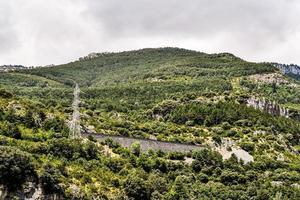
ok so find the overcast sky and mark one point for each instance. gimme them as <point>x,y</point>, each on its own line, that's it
<point>41,32</point>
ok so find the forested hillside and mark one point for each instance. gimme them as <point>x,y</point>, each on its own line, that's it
<point>226,107</point>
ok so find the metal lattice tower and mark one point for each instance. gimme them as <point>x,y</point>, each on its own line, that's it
<point>74,124</point>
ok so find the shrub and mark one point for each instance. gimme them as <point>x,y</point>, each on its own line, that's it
<point>15,166</point>
<point>232,178</point>
<point>208,157</point>
<point>247,146</point>
<point>176,155</point>
<point>135,187</point>
<point>196,165</point>
<point>50,180</point>
<point>5,94</point>
<point>231,133</point>
<point>226,126</point>
<point>136,148</point>
<point>73,149</point>
<point>56,124</point>
<point>203,178</point>
<point>115,164</point>
<point>217,139</point>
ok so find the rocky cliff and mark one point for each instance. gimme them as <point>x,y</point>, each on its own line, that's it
<point>31,189</point>
<point>292,69</point>
<point>270,107</point>
<point>28,191</point>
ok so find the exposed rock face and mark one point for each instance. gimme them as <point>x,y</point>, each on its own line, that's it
<point>6,68</point>
<point>270,107</point>
<point>28,191</point>
<point>240,153</point>
<point>269,78</point>
<point>291,69</point>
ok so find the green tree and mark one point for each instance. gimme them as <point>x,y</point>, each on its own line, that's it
<point>136,188</point>
<point>136,148</point>
<point>15,167</point>
<point>180,190</point>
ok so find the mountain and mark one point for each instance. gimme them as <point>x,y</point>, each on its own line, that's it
<point>165,123</point>
<point>147,64</point>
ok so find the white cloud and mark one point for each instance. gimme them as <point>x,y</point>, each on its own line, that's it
<point>38,32</point>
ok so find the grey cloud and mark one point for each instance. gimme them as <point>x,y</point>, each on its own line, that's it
<point>196,18</point>
<point>58,31</point>
<point>8,36</point>
<point>247,27</point>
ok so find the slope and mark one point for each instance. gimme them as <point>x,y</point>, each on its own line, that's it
<point>167,94</point>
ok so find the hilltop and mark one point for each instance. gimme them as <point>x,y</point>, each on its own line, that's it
<point>149,64</point>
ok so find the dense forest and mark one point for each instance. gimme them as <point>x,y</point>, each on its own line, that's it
<point>166,94</point>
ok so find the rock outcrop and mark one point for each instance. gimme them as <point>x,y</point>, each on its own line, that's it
<point>270,107</point>
<point>7,68</point>
<point>28,191</point>
<point>292,69</point>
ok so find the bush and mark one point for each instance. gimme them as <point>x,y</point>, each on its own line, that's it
<point>196,165</point>
<point>10,130</point>
<point>136,148</point>
<point>231,133</point>
<point>55,124</point>
<point>15,166</point>
<point>73,149</point>
<point>226,126</point>
<point>180,188</point>
<point>5,94</point>
<point>203,178</point>
<point>217,139</point>
<point>115,164</point>
<point>208,158</point>
<point>176,155</point>
<point>247,146</point>
<point>243,122</point>
<point>232,178</point>
<point>135,187</point>
<point>50,180</point>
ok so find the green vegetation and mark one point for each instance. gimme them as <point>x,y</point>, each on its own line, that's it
<point>168,94</point>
